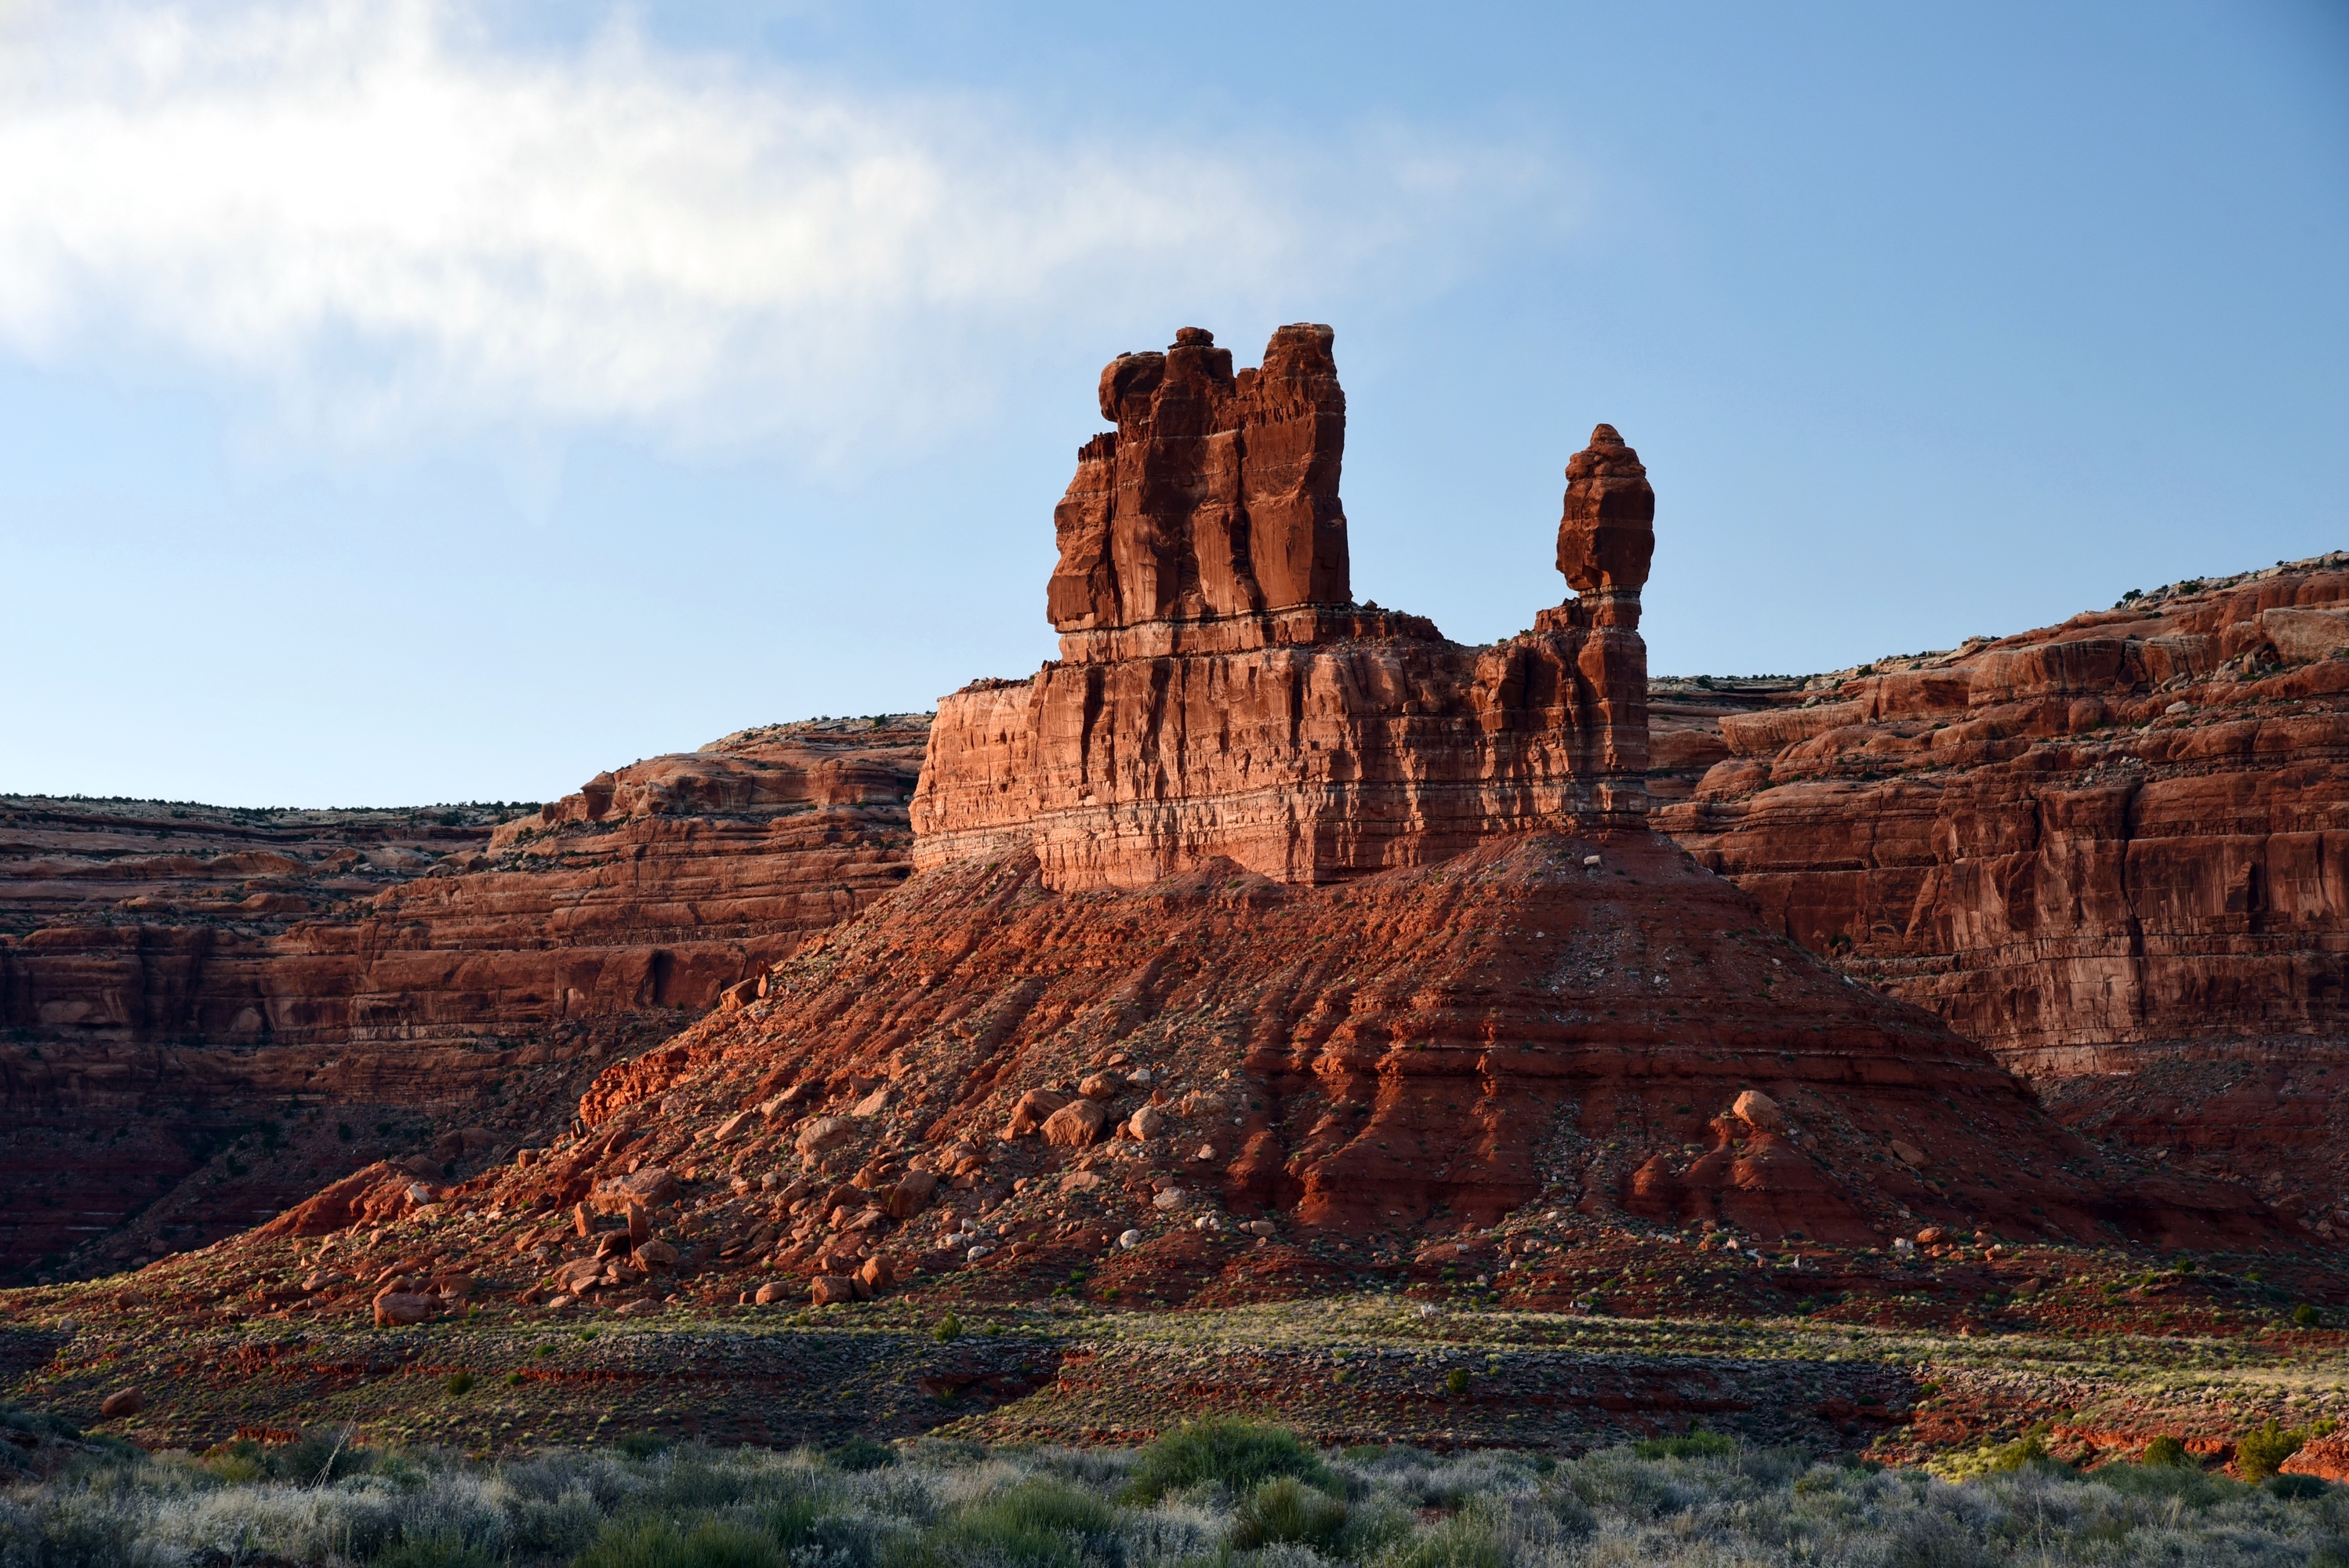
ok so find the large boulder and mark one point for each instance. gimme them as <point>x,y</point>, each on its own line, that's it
<point>822,1135</point>
<point>398,1308</point>
<point>1035,1108</point>
<point>912,1190</point>
<point>1076,1124</point>
<point>646,1188</point>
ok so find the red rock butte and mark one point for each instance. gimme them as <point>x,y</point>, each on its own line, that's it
<point>1258,908</point>
<point>1219,691</point>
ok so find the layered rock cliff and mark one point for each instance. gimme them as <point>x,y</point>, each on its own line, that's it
<point>1215,698</point>
<point>2115,851</point>
<point>329,987</point>
<point>1263,913</point>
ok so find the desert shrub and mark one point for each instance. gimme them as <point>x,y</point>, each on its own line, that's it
<point>318,1457</point>
<point>662,1543</point>
<point>1614,1480</point>
<point>2165,1450</point>
<point>1445,1481</point>
<point>2180,1480</point>
<point>1237,1454</point>
<point>862,1453</point>
<point>1285,1510</point>
<point>958,1505</point>
<point>65,1532</point>
<point>1464,1541</point>
<point>435,1552</point>
<point>1697,1444</point>
<point>1038,1524</point>
<point>2259,1452</point>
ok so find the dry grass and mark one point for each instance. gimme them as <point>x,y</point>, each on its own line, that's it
<point>931,1505</point>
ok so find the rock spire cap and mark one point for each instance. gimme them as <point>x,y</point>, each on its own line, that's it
<point>1606,536</point>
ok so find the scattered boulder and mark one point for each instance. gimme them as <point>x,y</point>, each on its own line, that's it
<point>1035,1108</point>
<point>825,1289</point>
<point>823,1134</point>
<point>1759,1111</point>
<point>656,1255</point>
<point>911,1194</point>
<point>1931,1236</point>
<point>732,1125</point>
<point>1146,1123</point>
<point>876,1274</point>
<point>399,1308</point>
<point>873,1104</point>
<point>741,993</point>
<point>1076,1124</point>
<point>648,1188</point>
<point>1098,1086</point>
<point>773,1290</point>
<point>1908,1153</point>
<point>123,1402</point>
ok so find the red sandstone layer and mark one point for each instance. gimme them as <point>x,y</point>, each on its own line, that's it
<point>1206,707</point>
<point>608,916</point>
<point>2097,848</point>
<point>1304,764</point>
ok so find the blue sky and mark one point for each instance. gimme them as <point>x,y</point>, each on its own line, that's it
<point>406,403</point>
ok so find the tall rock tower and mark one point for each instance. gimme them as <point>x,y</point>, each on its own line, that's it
<point>1220,695</point>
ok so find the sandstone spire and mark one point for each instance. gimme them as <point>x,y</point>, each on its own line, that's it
<point>1608,535</point>
<point>1215,496</point>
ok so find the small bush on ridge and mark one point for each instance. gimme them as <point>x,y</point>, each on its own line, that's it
<point>1239,1454</point>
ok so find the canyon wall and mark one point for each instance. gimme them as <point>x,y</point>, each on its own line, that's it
<point>1215,698</point>
<point>287,992</point>
<point>2115,851</point>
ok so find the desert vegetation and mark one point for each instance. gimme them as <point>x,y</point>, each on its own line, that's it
<point>1218,1493</point>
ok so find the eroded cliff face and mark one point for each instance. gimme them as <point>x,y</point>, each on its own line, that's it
<point>1217,495</point>
<point>1211,702</point>
<point>378,981</point>
<point>2115,851</point>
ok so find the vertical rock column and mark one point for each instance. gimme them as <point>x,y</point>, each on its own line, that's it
<point>1606,540</point>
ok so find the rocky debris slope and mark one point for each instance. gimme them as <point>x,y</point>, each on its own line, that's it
<point>983,1077</point>
<point>145,1041</point>
<point>1294,732</point>
<point>2105,849</point>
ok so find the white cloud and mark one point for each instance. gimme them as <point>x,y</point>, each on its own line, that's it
<point>394,225</point>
